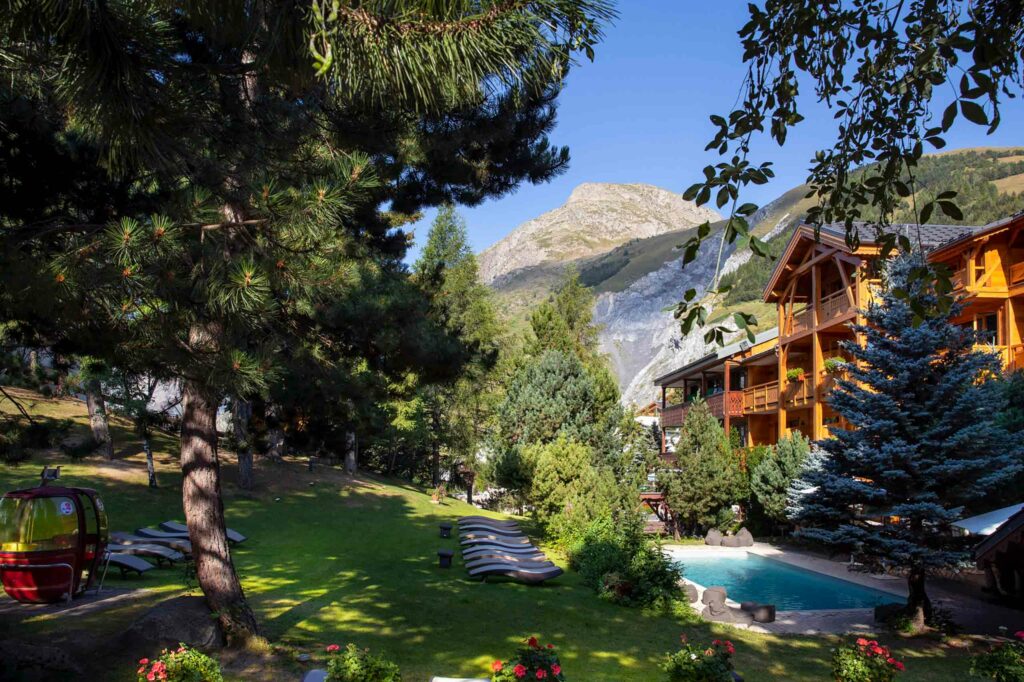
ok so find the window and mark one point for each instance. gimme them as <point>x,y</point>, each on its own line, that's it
<point>38,524</point>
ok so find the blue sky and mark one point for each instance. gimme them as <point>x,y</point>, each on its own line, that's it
<point>639,113</point>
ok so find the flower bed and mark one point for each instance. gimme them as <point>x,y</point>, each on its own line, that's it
<point>531,661</point>
<point>865,661</point>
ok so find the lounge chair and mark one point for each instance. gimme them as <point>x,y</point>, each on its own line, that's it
<point>469,538</point>
<point>182,545</point>
<point>486,520</point>
<point>503,555</point>
<point>158,552</point>
<point>127,562</point>
<point>519,550</point>
<point>175,527</point>
<point>526,575</point>
<point>162,534</point>
<point>487,561</point>
<point>484,528</point>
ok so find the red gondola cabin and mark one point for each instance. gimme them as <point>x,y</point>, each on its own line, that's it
<point>52,541</point>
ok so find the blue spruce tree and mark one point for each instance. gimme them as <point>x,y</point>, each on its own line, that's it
<point>926,444</point>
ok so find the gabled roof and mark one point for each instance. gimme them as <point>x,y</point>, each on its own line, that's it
<point>712,359</point>
<point>1004,533</point>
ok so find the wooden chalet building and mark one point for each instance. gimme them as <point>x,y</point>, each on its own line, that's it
<point>779,383</point>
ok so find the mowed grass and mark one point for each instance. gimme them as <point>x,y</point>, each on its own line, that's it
<point>331,559</point>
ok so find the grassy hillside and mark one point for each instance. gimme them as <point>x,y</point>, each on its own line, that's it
<point>332,559</point>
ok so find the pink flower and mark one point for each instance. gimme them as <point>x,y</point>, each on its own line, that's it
<point>899,666</point>
<point>862,642</point>
<point>556,669</point>
<point>716,642</point>
<point>143,661</point>
<point>496,666</point>
<point>332,648</point>
<point>519,670</point>
<point>532,642</point>
<point>1019,635</point>
<point>151,676</point>
<point>541,674</point>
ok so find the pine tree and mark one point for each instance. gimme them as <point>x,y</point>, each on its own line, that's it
<point>925,446</point>
<point>771,478</point>
<point>706,477</point>
<point>260,176</point>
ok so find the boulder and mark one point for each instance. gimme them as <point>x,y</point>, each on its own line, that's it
<point>748,606</point>
<point>689,590</point>
<point>744,538</point>
<point>29,662</point>
<point>716,610</point>
<point>187,620</point>
<point>730,541</point>
<point>713,538</point>
<point>764,613</point>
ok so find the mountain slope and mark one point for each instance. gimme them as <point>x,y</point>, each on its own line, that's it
<point>639,280</point>
<point>596,218</point>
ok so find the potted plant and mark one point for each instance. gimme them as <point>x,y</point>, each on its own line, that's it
<point>835,365</point>
<point>439,494</point>
<point>531,661</point>
<point>795,374</point>
<point>865,661</point>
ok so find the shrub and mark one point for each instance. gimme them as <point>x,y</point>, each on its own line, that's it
<point>700,664</point>
<point>531,661</point>
<point>359,665</point>
<point>185,664</point>
<point>864,661</point>
<point>11,450</point>
<point>79,448</point>
<point>1002,663</point>
<point>835,365</point>
<point>623,565</point>
<point>795,374</point>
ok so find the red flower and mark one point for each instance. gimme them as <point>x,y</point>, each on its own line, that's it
<point>878,650</point>
<point>496,666</point>
<point>143,661</point>
<point>151,677</point>
<point>551,646</point>
<point>862,642</point>
<point>532,642</point>
<point>519,670</point>
<point>716,642</point>
<point>541,674</point>
<point>1019,635</point>
<point>556,669</point>
<point>730,648</point>
<point>899,666</point>
<point>332,648</point>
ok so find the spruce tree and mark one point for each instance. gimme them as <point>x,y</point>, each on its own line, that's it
<point>262,177</point>
<point>925,448</point>
<point>706,477</point>
<point>771,478</point>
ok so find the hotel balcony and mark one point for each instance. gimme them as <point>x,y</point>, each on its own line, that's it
<point>673,415</point>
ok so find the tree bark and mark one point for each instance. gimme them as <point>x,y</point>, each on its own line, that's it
<point>150,468</point>
<point>98,417</point>
<point>241,411</point>
<point>919,606</point>
<point>204,514</point>
<point>351,454</point>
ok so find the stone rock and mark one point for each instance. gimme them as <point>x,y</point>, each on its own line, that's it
<point>715,608</point>
<point>730,541</point>
<point>28,662</point>
<point>713,538</point>
<point>764,613</point>
<point>745,538</point>
<point>748,606</point>
<point>689,590</point>
<point>182,619</point>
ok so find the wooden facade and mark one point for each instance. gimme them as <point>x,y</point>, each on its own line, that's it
<point>780,384</point>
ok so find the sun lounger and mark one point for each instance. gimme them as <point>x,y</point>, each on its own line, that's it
<point>126,562</point>
<point>487,521</point>
<point>486,561</point>
<point>513,527</point>
<point>162,534</point>
<point>523,553</point>
<point>175,527</point>
<point>511,532</point>
<point>535,555</point>
<point>182,545</point>
<point>158,552</point>
<point>471,538</point>
<point>526,575</point>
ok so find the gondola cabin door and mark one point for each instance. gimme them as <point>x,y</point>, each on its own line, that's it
<point>52,541</point>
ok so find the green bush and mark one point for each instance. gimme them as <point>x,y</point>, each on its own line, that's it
<point>79,448</point>
<point>623,565</point>
<point>864,661</point>
<point>531,661</point>
<point>696,664</point>
<point>359,665</point>
<point>185,664</point>
<point>11,450</point>
<point>1002,663</point>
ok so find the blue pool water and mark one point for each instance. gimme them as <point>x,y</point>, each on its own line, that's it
<point>748,577</point>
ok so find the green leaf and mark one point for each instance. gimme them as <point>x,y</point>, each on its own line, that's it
<point>973,112</point>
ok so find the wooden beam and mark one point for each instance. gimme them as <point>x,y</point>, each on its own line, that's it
<point>807,265</point>
<point>846,281</point>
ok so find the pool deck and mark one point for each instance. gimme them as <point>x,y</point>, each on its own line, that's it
<point>974,614</point>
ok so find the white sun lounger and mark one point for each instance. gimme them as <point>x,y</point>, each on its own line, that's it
<point>181,544</point>
<point>175,527</point>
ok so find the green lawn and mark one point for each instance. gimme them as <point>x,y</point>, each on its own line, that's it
<point>332,560</point>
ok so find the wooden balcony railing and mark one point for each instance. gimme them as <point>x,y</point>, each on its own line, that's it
<point>1017,273</point>
<point>798,393</point>
<point>834,305</point>
<point>800,321</point>
<point>673,415</point>
<point>1017,356</point>
<point>959,279</point>
<point>717,404</point>
<point>761,398</point>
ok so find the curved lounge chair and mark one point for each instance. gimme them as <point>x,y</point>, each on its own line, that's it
<point>526,575</point>
<point>486,520</point>
<point>126,562</point>
<point>503,555</point>
<point>470,550</point>
<point>175,527</point>
<point>162,534</point>
<point>482,528</point>
<point>158,552</point>
<point>496,540</point>
<point>487,561</point>
<point>181,544</point>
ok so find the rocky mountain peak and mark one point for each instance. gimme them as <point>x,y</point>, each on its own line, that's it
<point>596,218</point>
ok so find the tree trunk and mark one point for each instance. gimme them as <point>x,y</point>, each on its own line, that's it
<point>204,514</point>
<point>98,417</point>
<point>351,454</point>
<point>919,606</point>
<point>469,489</point>
<point>241,411</point>
<point>150,468</point>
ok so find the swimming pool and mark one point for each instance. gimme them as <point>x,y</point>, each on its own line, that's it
<point>749,577</point>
